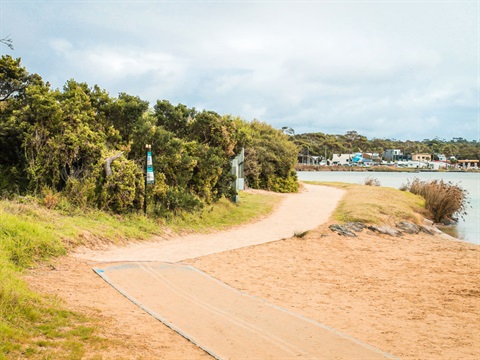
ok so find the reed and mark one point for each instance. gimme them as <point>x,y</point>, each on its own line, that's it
<point>445,200</point>
<point>371,181</point>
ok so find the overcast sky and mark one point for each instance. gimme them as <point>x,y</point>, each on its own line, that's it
<point>387,69</point>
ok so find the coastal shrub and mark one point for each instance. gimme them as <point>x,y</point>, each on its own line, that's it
<point>371,181</point>
<point>444,200</point>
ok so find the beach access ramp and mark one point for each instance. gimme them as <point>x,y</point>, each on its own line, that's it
<point>225,322</point>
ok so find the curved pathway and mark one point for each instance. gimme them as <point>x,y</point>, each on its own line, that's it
<point>296,213</point>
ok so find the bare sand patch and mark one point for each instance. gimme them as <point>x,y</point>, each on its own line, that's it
<point>415,297</point>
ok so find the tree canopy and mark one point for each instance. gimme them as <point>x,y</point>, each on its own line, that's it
<point>60,140</point>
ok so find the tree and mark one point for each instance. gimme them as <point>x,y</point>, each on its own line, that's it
<point>14,78</point>
<point>125,113</point>
<point>174,118</point>
<point>217,131</point>
<point>270,157</point>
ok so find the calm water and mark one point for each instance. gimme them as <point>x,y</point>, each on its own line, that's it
<point>468,229</point>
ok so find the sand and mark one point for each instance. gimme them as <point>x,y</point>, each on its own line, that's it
<point>413,297</point>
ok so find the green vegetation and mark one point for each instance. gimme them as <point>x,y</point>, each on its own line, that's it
<point>226,214</point>
<point>90,148</point>
<point>320,144</point>
<point>72,172</point>
<point>367,204</point>
<point>32,326</point>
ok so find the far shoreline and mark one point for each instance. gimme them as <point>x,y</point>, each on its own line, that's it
<point>379,168</point>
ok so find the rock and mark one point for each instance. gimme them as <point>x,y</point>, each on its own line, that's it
<point>355,226</point>
<point>386,230</point>
<point>425,230</point>
<point>342,230</point>
<point>408,227</point>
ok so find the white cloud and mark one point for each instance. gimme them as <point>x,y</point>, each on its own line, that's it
<point>379,66</point>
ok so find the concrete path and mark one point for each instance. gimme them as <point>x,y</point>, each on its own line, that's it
<point>297,213</point>
<point>226,323</point>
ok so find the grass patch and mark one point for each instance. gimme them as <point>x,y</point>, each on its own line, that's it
<point>377,204</point>
<point>225,214</point>
<point>38,327</point>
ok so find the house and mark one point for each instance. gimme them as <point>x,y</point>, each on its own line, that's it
<point>413,164</point>
<point>437,165</point>
<point>370,158</point>
<point>468,164</point>
<point>395,155</point>
<point>421,157</point>
<point>441,157</point>
<point>341,159</point>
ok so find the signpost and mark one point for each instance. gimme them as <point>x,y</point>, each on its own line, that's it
<point>149,178</point>
<point>238,167</point>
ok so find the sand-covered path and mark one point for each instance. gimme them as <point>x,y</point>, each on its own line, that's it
<point>297,213</point>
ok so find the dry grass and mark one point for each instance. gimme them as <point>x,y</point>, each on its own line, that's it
<point>378,205</point>
<point>443,199</point>
<point>371,181</point>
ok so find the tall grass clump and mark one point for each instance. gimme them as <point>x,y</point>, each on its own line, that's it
<point>444,200</point>
<point>371,181</point>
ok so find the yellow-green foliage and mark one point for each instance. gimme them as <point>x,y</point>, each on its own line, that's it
<point>377,204</point>
<point>24,315</point>
<point>225,213</point>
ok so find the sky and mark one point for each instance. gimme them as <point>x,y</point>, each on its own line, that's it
<point>405,70</point>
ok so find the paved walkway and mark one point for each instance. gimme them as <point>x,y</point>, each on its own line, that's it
<point>225,322</point>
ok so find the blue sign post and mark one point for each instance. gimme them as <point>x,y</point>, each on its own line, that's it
<point>149,178</point>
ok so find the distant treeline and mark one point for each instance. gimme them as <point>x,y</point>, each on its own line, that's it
<point>320,144</point>
<point>62,141</point>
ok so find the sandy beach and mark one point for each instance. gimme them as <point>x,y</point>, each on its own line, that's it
<point>414,297</point>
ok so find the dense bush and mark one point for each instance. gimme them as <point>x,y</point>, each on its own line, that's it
<point>55,143</point>
<point>269,156</point>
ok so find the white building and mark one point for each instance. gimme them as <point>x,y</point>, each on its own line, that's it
<point>341,159</point>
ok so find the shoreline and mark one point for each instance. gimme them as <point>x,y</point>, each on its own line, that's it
<point>380,168</point>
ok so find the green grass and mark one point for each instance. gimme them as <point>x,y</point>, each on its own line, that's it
<point>377,204</point>
<point>39,327</point>
<point>225,214</point>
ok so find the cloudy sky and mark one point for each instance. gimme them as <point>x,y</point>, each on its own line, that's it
<point>387,69</point>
